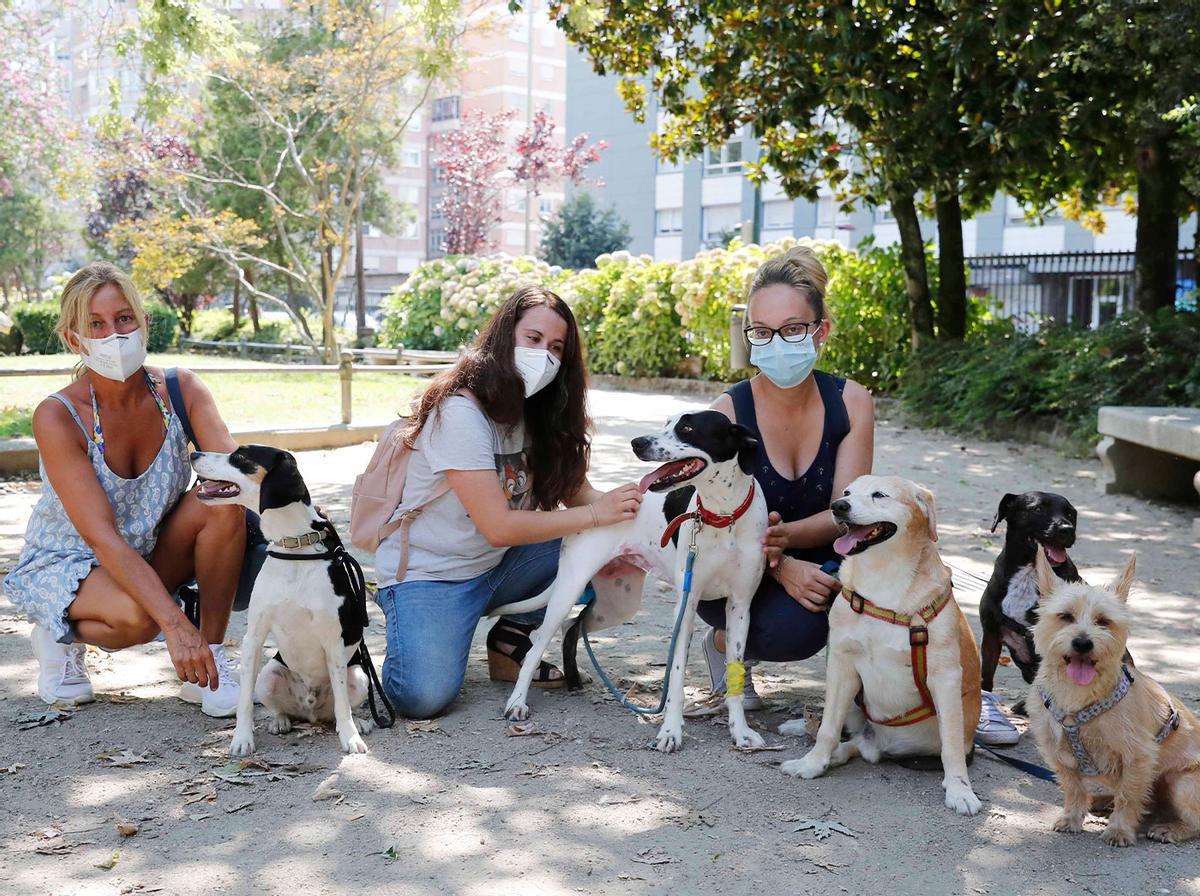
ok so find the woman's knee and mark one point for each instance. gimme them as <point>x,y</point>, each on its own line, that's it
<point>419,696</point>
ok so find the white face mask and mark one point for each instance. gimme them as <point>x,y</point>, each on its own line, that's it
<point>115,357</point>
<point>537,368</point>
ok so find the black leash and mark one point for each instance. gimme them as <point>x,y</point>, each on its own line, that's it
<point>1029,768</point>
<point>338,554</point>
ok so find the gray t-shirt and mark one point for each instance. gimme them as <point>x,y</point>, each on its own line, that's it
<point>444,544</point>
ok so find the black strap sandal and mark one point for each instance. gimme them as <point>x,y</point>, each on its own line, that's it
<point>506,666</point>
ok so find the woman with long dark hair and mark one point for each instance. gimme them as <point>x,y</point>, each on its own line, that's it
<point>507,431</point>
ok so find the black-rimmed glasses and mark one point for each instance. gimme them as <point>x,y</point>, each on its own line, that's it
<point>793,332</point>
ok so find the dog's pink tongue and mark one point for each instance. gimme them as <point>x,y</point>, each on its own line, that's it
<point>845,543</point>
<point>1055,554</point>
<point>1081,672</point>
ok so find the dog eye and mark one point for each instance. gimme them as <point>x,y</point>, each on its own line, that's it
<point>878,495</point>
<point>685,429</point>
<point>1066,617</point>
<point>1103,621</point>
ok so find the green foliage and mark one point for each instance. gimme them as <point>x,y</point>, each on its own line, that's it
<point>37,321</point>
<point>163,324</point>
<point>581,232</point>
<point>216,325</point>
<point>1061,374</point>
<point>15,422</point>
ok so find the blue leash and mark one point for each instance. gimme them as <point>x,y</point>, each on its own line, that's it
<point>683,603</point>
<point>1029,768</point>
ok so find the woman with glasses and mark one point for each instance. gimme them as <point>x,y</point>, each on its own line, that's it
<point>815,435</point>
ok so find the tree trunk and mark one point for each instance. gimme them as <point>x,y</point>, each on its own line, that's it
<point>1157,224</point>
<point>916,277</point>
<point>952,274</point>
<point>252,303</point>
<point>328,298</point>
<point>237,303</point>
<point>360,286</point>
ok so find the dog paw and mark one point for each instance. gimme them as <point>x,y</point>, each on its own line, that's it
<point>279,724</point>
<point>1068,823</point>
<point>670,740</point>
<point>794,728</point>
<point>1115,835</point>
<point>364,726</point>
<point>242,745</point>
<point>1168,833</point>
<point>748,738</point>
<point>516,712</point>
<point>963,800</point>
<point>354,744</point>
<point>808,767</point>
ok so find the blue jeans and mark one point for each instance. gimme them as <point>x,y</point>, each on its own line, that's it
<point>780,629</point>
<point>430,625</point>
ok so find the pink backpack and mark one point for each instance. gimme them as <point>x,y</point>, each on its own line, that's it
<point>379,490</point>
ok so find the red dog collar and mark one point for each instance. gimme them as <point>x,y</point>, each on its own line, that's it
<point>707,517</point>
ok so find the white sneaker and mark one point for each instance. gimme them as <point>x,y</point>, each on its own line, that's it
<point>63,677</point>
<point>716,672</point>
<point>994,728</point>
<point>221,703</point>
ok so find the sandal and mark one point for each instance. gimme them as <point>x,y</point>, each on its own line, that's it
<point>507,666</point>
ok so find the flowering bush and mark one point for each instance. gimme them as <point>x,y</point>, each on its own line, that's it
<point>445,302</point>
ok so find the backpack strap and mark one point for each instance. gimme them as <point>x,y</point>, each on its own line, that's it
<point>176,395</point>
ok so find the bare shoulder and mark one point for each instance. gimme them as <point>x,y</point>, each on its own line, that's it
<point>52,422</point>
<point>858,399</point>
<point>724,404</point>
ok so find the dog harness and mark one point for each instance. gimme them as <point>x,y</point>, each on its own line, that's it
<point>1080,718</point>
<point>706,517</point>
<point>918,641</point>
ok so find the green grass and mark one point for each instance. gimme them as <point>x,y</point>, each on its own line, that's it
<point>260,401</point>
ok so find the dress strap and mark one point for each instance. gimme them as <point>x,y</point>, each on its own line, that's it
<point>97,433</point>
<point>742,396</point>
<point>74,414</point>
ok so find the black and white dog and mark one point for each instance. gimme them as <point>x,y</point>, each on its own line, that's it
<point>308,605</point>
<point>1008,608</point>
<point>714,456</point>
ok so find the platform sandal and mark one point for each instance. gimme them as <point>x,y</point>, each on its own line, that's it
<point>507,666</point>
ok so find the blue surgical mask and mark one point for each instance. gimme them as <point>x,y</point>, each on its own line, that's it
<point>786,364</point>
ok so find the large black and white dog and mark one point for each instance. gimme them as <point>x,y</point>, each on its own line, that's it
<point>715,457</point>
<point>1008,608</point>
<point>308,605</point>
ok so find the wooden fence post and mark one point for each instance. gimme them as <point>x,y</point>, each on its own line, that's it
<point>346,372</point>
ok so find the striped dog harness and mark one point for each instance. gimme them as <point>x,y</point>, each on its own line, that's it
<point>1072,722</point>
<point>918,642</point>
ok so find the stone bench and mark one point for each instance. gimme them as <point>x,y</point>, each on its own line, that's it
<point>1154,452</point>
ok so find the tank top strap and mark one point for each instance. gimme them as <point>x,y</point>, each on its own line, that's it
<point>837,418</point>
<point>744,414</point>
<point>74,414</point>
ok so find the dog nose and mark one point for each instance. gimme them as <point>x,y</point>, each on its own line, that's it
<point>194,456</point>
<point>640,443</point>
<point>840,507</point>
<point>1082,644</point>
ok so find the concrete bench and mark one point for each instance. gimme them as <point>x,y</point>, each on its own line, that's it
<point>1154,452</point>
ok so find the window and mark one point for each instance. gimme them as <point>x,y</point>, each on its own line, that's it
<point>446,108</point>
<point>777,215</point>
<point>409,229</point>
<point>439,175</point>
<point>668,221</point>
<point>883,215</point>
<point>545,206</point>
<point>719,223</point>
<point>518,64</point>
<point>725,159</point>
<point>410,158</point>
<point>826,211</point>
<point>414,123</point>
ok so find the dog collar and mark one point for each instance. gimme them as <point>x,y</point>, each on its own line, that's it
<point>301,541</point>
<point>1072,722</point>
<point>705,517</point>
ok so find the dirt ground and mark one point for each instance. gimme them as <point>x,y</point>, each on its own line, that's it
<point>581,805</point>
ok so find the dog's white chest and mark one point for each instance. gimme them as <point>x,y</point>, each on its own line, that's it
<point>1022,594</point>
<point>297,600</point>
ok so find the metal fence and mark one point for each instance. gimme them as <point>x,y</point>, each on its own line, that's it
<point>1090,288</point>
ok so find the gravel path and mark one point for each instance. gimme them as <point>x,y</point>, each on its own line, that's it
<point>579,805</point>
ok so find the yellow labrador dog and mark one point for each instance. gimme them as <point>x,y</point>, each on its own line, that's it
<point>903,673</point>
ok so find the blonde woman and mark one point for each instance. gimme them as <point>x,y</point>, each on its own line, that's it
<point>115,531</point>
<point>815,435</point>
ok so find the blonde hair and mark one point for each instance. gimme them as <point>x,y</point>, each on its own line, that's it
<point>798,268</point>
<point>74,313</point>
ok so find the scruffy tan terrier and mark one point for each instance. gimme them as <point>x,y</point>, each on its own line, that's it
<point>1106,729</point>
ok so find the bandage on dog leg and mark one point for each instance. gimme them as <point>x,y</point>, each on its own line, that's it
<point>735,679</point>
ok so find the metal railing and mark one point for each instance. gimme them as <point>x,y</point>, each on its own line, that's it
<point>303,352</point>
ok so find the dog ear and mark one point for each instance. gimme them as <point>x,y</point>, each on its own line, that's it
<point>1124,580</point>
<point>1046,579</point>
<point>747,448</point>
<point>283,484</point>
<point>924,498</point>
<point>1002,511</point>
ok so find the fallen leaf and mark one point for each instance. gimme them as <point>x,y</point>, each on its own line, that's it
<point>12,769</point>
<point>515,729</point>
<point>654,855</point>
<point>52,832</point>
<point>51,716</point>
<point>390,854</point>
<point>197,791</point>
<point>122,697</point>
<point>823,830</point>
<point>199,816</point>
<point>126,828</point>
<point>327,789</point>
<point>108,863</point>
<point>61,848</point>
<point>423,726</point>
<point>765,748</point>
<point>533,770</point>
<point>124,759</point>
<point>239,807</point>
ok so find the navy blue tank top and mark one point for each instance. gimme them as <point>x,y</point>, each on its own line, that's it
<point>797,499</point>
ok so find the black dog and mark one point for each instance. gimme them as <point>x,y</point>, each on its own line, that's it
<point>1009,605</point>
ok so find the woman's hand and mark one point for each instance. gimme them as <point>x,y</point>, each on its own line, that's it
<point>806,584</point>
<point>192,657</point>
<point>617,506</point>
<point>775,542</point>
